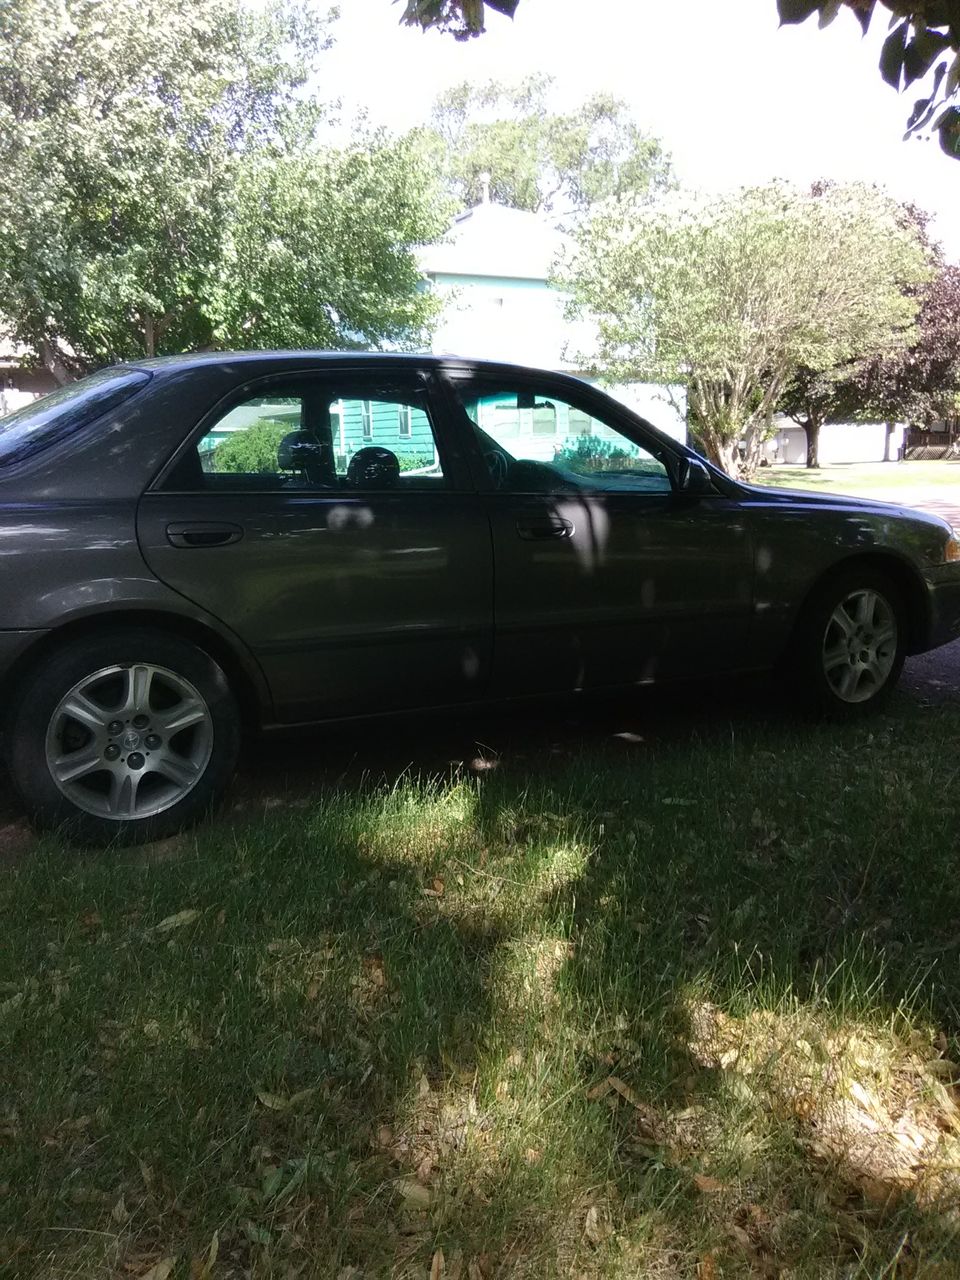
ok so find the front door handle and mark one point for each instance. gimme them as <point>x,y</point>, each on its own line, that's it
<point>203,535</point>
<point>548,528</point>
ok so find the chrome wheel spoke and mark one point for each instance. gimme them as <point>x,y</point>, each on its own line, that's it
<point>184,715</point>
<point>124,786</point>
<point>865,609</point>
<point>175,768</point>
<point>139,679</point>
<point>848,682</point>
<point>77,706</point>
<point>842,619</point>
<point>76,764</point>
<point>835,657</point>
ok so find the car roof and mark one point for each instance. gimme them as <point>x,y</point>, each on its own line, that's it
<point>417,359</point>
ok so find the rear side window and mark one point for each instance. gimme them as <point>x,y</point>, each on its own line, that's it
<point>54,417</point>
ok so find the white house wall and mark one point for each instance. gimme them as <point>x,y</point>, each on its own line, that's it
<point>839,443</point>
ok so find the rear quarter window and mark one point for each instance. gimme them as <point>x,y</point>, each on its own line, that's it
<point>54,417</point>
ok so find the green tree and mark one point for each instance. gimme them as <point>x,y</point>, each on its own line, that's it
<point>918,382</point>
<point>534,157</point>
<point>134,139</point>
<point>730,297</point>
<point>316,249</point>
<point>924,39</point>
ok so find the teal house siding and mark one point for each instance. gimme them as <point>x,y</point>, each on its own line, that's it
<point>388,424</point>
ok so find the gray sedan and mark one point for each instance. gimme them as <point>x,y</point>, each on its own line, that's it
<point>202,545</point>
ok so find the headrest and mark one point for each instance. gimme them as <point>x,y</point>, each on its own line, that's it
<point>373,468</point>
<point>299,451</point>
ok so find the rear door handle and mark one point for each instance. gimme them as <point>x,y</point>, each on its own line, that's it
<point>548,528</point>
<point>203,535</point>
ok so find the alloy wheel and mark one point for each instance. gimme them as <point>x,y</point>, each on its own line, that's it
<point>860,645</point>
<point>129,742</point>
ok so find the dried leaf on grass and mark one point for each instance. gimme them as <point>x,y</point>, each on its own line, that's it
<point>279,1102</point>
<point>415,1195</point>
<point>437,1265</point>
<point>204,1270</point>
<point>160,1270</point>
<point>704,1182</point>
<point>613,1084</point>
<point>176,921</point>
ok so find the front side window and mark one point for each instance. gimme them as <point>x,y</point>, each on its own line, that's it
<point>534,441</point>
<point>317,434</point>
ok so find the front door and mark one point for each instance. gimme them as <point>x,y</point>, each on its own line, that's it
<point>323,519</point>
<point>605,575</point>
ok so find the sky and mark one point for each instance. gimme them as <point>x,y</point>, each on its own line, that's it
<point>735,98</point>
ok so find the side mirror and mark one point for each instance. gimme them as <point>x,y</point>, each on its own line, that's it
<point>693,478</point>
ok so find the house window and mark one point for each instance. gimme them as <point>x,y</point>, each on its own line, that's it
<point>404,427</point>
<point>366,419</point>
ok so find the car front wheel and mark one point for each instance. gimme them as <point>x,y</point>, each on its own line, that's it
<point>851,643</point>
<point>126,736</point>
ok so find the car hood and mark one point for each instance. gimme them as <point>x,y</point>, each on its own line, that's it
<point>837,501</point>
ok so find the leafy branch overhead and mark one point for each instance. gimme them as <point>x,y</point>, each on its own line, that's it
<point>924,41</point>
<point>463,18</point>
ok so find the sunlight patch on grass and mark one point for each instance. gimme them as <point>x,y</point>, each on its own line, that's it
<point>415,823</point>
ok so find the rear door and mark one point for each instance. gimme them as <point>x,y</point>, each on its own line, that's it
<point>605,575</point>
<point>326,522</point>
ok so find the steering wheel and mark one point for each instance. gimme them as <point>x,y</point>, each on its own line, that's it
<point>498,467</point>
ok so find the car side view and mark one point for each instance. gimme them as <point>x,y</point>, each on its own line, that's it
<point>201,545</point>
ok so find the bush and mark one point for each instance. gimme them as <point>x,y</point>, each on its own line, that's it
<point>588,454</point>
<point>252,451</point>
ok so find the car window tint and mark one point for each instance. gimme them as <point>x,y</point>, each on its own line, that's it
<point>55,416</point>
<point>322,433</point>
<point>541,443</point>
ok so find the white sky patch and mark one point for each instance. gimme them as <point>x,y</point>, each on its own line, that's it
<point>735,98</point>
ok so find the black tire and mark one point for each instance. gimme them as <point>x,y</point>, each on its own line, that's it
<point>38,723</point>
<point>818,638</point>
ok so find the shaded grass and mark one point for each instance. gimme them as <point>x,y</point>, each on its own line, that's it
<point>492,1016</point>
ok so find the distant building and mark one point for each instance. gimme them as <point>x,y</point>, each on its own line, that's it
<point>493,273</point>
<point>20,382</point>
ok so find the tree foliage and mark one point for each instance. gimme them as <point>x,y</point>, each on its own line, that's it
<point>918,382</point>
<point>135,141</point>
<point>463,18</point>
<point>923,44</point>
<point>730,297</point>
<point>535,157</point>
<point>924,40</point>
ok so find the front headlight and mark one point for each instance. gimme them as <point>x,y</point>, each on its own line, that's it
<point>951,552</point>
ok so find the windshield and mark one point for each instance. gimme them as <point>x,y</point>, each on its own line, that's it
<point>61,413</point>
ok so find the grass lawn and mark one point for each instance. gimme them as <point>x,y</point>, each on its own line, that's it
<point>676,1007</point>
<point>942,479</point>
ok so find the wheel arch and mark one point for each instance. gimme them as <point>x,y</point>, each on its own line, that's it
<point>901,573</point>
<point>245,678</point>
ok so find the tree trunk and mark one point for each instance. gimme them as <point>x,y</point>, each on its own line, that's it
<point>53,362</point>
<point>149,341</point>
<point>888,436</point>
<point>811,429</point>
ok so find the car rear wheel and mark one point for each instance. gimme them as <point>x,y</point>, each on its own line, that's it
<point>125,736</point>
<point>851,643</point>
